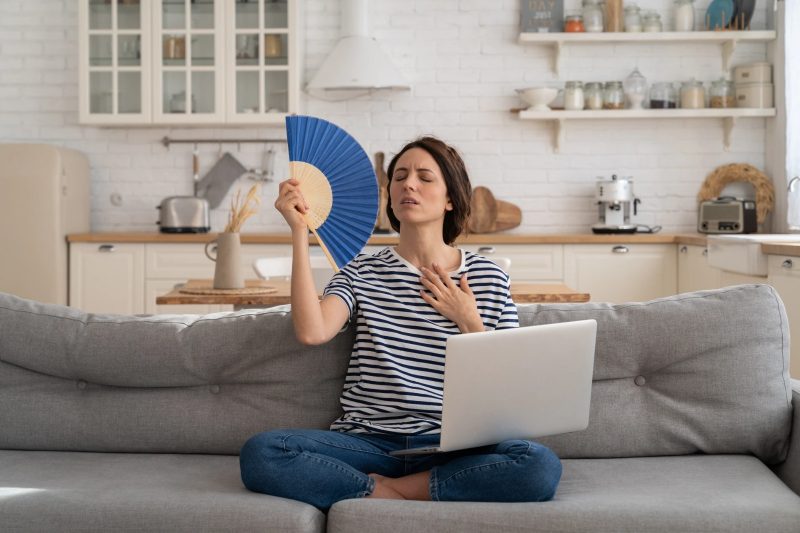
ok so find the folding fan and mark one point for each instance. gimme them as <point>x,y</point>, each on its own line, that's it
<point>338,183</point>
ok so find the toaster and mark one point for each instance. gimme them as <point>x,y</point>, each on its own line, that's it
<point>727,215</point>
<point>183,214</point>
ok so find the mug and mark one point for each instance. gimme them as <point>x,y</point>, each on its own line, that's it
<point>228,268</point>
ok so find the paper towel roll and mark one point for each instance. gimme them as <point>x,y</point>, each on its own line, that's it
<point>793,211</point>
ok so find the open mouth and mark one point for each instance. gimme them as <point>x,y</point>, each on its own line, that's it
<point>408,201</point>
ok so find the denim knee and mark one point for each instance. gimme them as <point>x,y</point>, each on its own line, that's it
<point>542,470</point>
<point>257,457</point>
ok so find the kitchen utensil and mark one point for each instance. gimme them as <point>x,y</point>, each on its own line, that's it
<point>538,97</point>
<point>719,14</point>
<point>216,183</point>
<point>383,225</point>
<point>615,199</point>
<point>183,214</point>
<point>488,215</point>
<point>195,168</point>
<point>338,183</point>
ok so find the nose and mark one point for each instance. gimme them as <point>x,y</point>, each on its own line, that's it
<point>410,183</point>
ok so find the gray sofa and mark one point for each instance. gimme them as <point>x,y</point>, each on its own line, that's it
<point>114,423</point>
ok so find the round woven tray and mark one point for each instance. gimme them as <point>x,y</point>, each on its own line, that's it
<point>245,290</point>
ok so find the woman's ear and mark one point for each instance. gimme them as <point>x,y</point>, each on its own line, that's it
<point>449,205</point>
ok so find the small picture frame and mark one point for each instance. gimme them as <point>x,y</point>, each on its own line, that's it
<point>542,16</point>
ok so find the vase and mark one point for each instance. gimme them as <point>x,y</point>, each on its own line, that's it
<point>228,268</point>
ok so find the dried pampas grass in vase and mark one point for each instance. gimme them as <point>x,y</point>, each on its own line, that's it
<point>241,212</point>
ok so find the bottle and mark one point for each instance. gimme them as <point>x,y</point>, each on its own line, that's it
<point>573,96</point>
<point>722,93</point>
<point>593,95</point>
<point>613,95</point>
<point>693,95</point>
<point>614,15</point>
<point>684,15</point>
<point>633,20</point>
<point>574,24</point>
<point>651,22</point>
<point>593,16</point>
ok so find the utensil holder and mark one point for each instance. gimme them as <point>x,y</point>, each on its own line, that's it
<point>228,268</point>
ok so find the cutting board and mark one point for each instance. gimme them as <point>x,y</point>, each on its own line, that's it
<point>489,214</point>
<point>382,224</point>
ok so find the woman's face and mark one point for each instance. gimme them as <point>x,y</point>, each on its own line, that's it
<point>418,190</point>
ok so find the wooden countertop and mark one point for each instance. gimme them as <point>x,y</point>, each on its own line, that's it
<point>782,248</point>
<point>487,238</point>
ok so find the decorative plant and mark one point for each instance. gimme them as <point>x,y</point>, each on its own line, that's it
<point>241,212</point>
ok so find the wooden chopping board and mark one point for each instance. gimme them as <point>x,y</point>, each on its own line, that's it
<point>383,193</point>
<point>489,214</point>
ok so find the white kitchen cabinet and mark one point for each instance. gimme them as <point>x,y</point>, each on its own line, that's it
<point>621,272</point>
<point>784,275</point>
<point>532,263</point>
<point>188,62</point>
<point>107,278</point>
<point>694,274</point>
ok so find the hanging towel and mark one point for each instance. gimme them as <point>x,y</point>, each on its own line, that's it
<point>216,183</point>
<point>793,212</point>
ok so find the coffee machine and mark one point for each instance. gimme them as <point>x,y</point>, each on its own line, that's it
<point>615,201</point>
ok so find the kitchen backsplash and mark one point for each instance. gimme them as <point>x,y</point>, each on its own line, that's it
<point>464,63</point>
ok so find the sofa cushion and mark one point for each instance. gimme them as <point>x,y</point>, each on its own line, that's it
<point>696,372</point>
<point>658,494</point>
<point>69,491</point>
<point>171,383</point>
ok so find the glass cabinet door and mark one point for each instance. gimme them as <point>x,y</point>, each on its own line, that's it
<point>261,52</point>
<point>115,70</point>
<point>189,63</point>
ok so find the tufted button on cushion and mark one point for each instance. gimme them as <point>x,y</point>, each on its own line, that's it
<point>639,380</point>
<point>81,384</point>
<point>214,389</point>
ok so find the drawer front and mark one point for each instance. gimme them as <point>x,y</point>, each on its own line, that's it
<point>529,262</point>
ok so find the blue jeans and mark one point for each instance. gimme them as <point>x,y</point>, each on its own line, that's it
<point>321,467</point>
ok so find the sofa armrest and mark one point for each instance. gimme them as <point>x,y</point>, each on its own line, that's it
<point>789,470</point>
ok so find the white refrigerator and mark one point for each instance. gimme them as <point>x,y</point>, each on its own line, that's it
<point>44,195</point>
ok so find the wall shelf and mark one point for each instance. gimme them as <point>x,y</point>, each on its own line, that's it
<point>726,39</point>
<point>561,117</point>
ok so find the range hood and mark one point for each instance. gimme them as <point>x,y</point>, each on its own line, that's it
<point>357,65</point>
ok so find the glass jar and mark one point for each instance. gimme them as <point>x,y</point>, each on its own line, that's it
<point>662,96</point>
<point>613,95</point>
<point>633,20</point>
<point>693,95</point>
<point>593,16</point>
<point>573,96</point>
<point>574,24</point>
<point>651,22</point>
<point>684,15</point>
<point>635,86</point>
<point>593,95</point>
<point>722,93</point>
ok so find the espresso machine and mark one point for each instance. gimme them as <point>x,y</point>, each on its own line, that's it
<point>615,201</point>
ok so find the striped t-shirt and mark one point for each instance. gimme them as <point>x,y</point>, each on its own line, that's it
<point>395,379</point>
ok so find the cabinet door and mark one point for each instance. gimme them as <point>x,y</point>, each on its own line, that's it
<point>694,274</point>
<point>533,263</point>
<point>189,65</point>
<point>262,60</point>
<point>107,278</point>
<point>784,275</point>
<point>621,272</point>
<point>114,62</point>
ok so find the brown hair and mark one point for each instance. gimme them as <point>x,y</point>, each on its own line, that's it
<point>456,180</point>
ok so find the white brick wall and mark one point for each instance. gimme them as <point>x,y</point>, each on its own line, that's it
<point>463,61</point>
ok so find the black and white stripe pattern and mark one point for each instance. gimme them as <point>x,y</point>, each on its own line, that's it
<point>396,373</point>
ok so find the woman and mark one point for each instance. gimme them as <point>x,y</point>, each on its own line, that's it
<point>404,301</point>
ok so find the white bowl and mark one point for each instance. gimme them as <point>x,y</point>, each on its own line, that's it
<point>538,97</point>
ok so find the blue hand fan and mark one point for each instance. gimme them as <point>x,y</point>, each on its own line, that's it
<point>338,183</point>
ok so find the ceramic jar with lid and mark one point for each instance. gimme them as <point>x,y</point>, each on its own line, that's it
<point>663,96</point>
<point>635,86</point>
<point>593,95</point>
<point>722,93</point>
<point>693,95</point>
<point>613,95</point>
<point>573,96</point>
<point>633,18</point>
<point>593,16</point>
<point>574,24</point>
<point>651,22</point>
<point>683,15</point>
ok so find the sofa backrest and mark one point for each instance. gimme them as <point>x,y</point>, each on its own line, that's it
<point>698,372</point>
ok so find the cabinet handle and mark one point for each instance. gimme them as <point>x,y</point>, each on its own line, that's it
<point>486,250</point>
<point>787,263</point>
<point>705,251</point>
<point>683,249</point>
<point>106,248</point>
<point>620,250</point>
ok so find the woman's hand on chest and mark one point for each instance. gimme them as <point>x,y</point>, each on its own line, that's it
<point>455,302</point>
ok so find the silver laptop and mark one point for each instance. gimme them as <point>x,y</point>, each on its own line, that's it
<point>520,383</point>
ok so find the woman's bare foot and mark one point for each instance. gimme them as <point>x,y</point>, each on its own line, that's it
<point>382,489</point>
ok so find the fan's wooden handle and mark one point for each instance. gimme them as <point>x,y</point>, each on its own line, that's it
<point>322,245</point>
